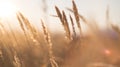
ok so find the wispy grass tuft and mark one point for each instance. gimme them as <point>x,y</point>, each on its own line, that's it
<point>33,32</point>
<point>64,21</point>
<point>66,26</point>
<point>49,43</point>
<point>73,27</point>
<point>76,15</point>
<point>59,13</point>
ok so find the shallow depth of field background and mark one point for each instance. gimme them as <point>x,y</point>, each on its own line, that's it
<point>96,44</point>
<point>91,9</point>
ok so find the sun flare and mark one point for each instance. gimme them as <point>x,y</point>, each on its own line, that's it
<point>7,9</point>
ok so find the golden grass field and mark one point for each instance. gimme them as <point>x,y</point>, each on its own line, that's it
<point>33,48</point>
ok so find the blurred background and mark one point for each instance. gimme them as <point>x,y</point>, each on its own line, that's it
<point>35,10</point>
<point>99,46</point>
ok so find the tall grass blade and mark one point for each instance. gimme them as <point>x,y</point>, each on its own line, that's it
<point>49,43</point>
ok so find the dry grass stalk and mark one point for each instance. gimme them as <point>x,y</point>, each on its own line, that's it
<point>6,46</point>
<point>75,10</point>
<point>21,23</point>
<point>16,61</point>
<point>59,14</point>
<point>29,27</point>
<point>73,27</point>
<point>76,14</point>
<point>66,26</point>
<point>49,43</point>
<point>15,41</point>
<point>4,32</point>
<point>63,19</point>
<point>23,28</point>
<point>80,16</point>
<point>14,49</point>
<point>11,51</point>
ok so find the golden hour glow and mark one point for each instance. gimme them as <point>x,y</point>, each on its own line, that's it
<point>7,9</point>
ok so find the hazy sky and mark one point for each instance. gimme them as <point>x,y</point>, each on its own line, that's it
<point>88,8</point>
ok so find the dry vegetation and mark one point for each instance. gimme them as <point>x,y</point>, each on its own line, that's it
<point>32,48</point>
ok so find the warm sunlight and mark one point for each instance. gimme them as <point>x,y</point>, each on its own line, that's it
<point>7,9</point>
